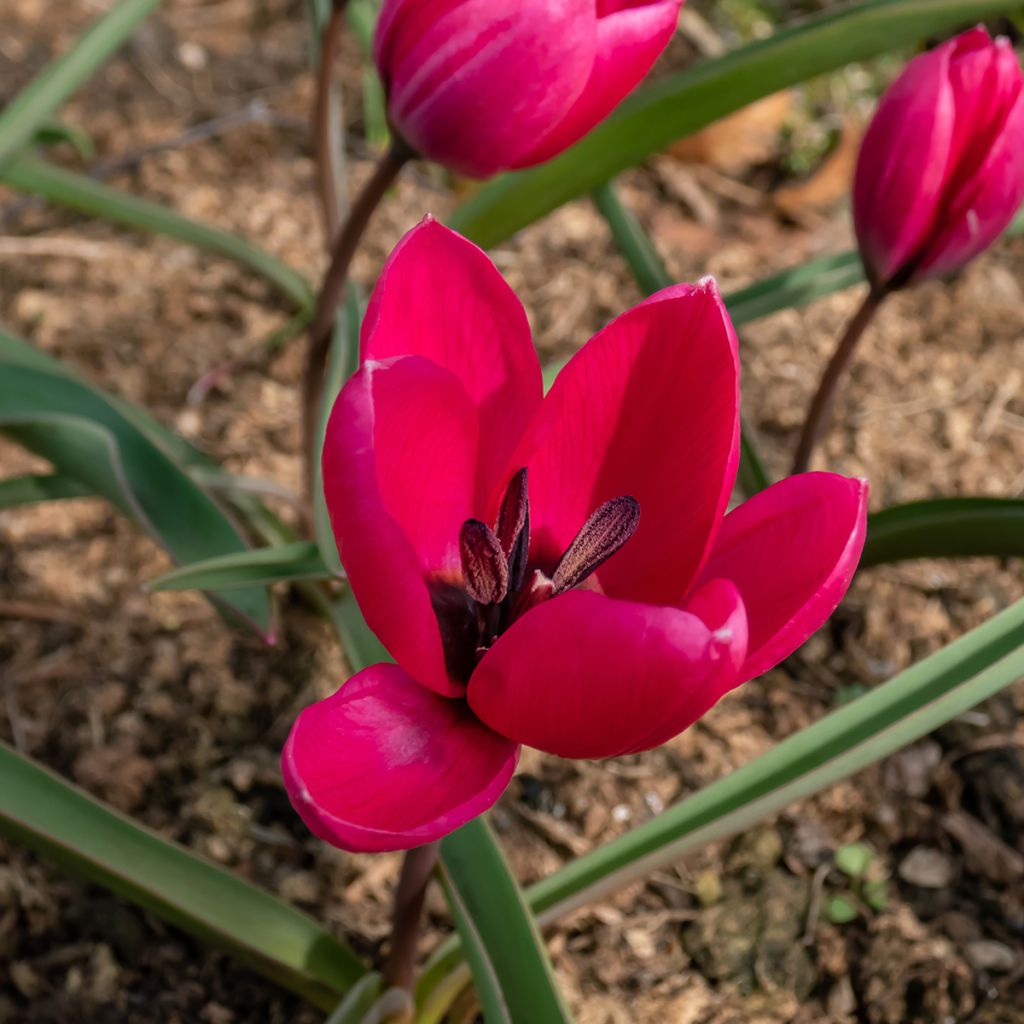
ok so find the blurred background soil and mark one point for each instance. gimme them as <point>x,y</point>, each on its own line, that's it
<point>153,704</point>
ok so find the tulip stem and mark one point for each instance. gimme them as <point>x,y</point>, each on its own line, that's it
<point>417,867</point>
<point>333,288</point>
<point>325,122</point>
<point>817,421</point>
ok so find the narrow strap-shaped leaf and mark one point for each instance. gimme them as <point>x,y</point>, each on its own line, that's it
<point>682,103</point>
<point>86,436</point>
<point>652,275</point>
<point>908,706</point>
<point>27,173</point>
<point>945,528</point>
<point>44,812</point>
<point>503,946</point>
<point>34,488</point>
<point>31,108</point>
<point>298,561</point>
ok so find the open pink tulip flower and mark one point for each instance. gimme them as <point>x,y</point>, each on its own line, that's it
<point>555,571</point>
<point>486,85</point>
<point>941,170</point>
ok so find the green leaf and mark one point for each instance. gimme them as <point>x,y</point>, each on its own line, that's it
<point>354,1008</point>
<point>51,816</point>
<point>853,859</point>
<point>88,438</point>
<point>687,101</point>
<point>945,528</point>
<point>910,705</point>
<point>34,488</point>
<point>54,132</point>
<point>30,174</point>
<point>262,566</point>
<point>876,894</point>
<point>841,910</point>
<point>31,108</point>
<point>505,951</point>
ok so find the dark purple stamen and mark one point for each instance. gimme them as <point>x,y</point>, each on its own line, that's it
<point>484,564</point>
<point>607,529</point>
<point>499,584</point>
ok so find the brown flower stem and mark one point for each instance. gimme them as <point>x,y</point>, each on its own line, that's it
<point>331,197</point>
<point>417,868</point>
<point>333,288</point>
<point>820,409</point>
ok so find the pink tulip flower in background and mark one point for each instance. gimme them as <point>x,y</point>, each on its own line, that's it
<point>554,571</point>
<point>941,170</point>
<point>486,85</point>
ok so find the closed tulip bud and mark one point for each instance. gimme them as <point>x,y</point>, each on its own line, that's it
<point>941,170</point>
<point>487,85</point>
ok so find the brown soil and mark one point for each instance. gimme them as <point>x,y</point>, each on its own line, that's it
<point>153,704</point>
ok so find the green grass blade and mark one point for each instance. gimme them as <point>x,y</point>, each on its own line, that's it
<point>503,946</point>
<point>32,489</point>
<point>31,174</point>
<point>298,561</point>
<point>945,528</point>
<point>86,436</point>
<point>56,819</point>
<point>31,108</point>
<point>687,101</point>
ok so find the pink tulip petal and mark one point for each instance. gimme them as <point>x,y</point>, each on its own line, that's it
<point>583,675</point>
<point>385,764</point>
<point>473,84</point>
<point>631,35</point>
<point>441,297</point>
<point>648,408</point>
<point>987,186</point>
<point>792,551</point>
<point>398,465</point>
<point>902,164</point>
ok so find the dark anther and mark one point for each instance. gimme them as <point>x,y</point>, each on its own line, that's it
<point>513,528</point>
<point>483,563</point>
<point>607,529</point>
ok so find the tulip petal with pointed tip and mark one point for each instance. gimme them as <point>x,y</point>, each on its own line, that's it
<point>584,675</point>
<point>630,37</point>
<point>473,84</point>
<point>440,297</point>
<point>791,550</point>
<point>649,408</point>
<point>399,463</point>
<point>902,165</point>
<point>386,764</point>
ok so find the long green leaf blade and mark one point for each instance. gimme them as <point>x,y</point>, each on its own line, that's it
<point>945,528</point>
<point>32,489</point>
<point>31,174</point>
<point>47,814</point>
<point>505,950</point>
<point>685,102</point>
<point>262,566</point>
<point>87,437</point>
<point>31,108</point>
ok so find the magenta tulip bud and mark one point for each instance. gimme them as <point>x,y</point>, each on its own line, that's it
<point>941,171</point>
<point>486,85</point>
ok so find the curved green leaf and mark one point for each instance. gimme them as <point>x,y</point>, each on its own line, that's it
<point>34,488</point>
<point>86,437</point>
<point>687,101</point>
<point>31,108</point>
<point>50,815</point>
<point>262,566</point>
<point>503,946</point>
<point>945,528</point>
<point>27,173</point>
